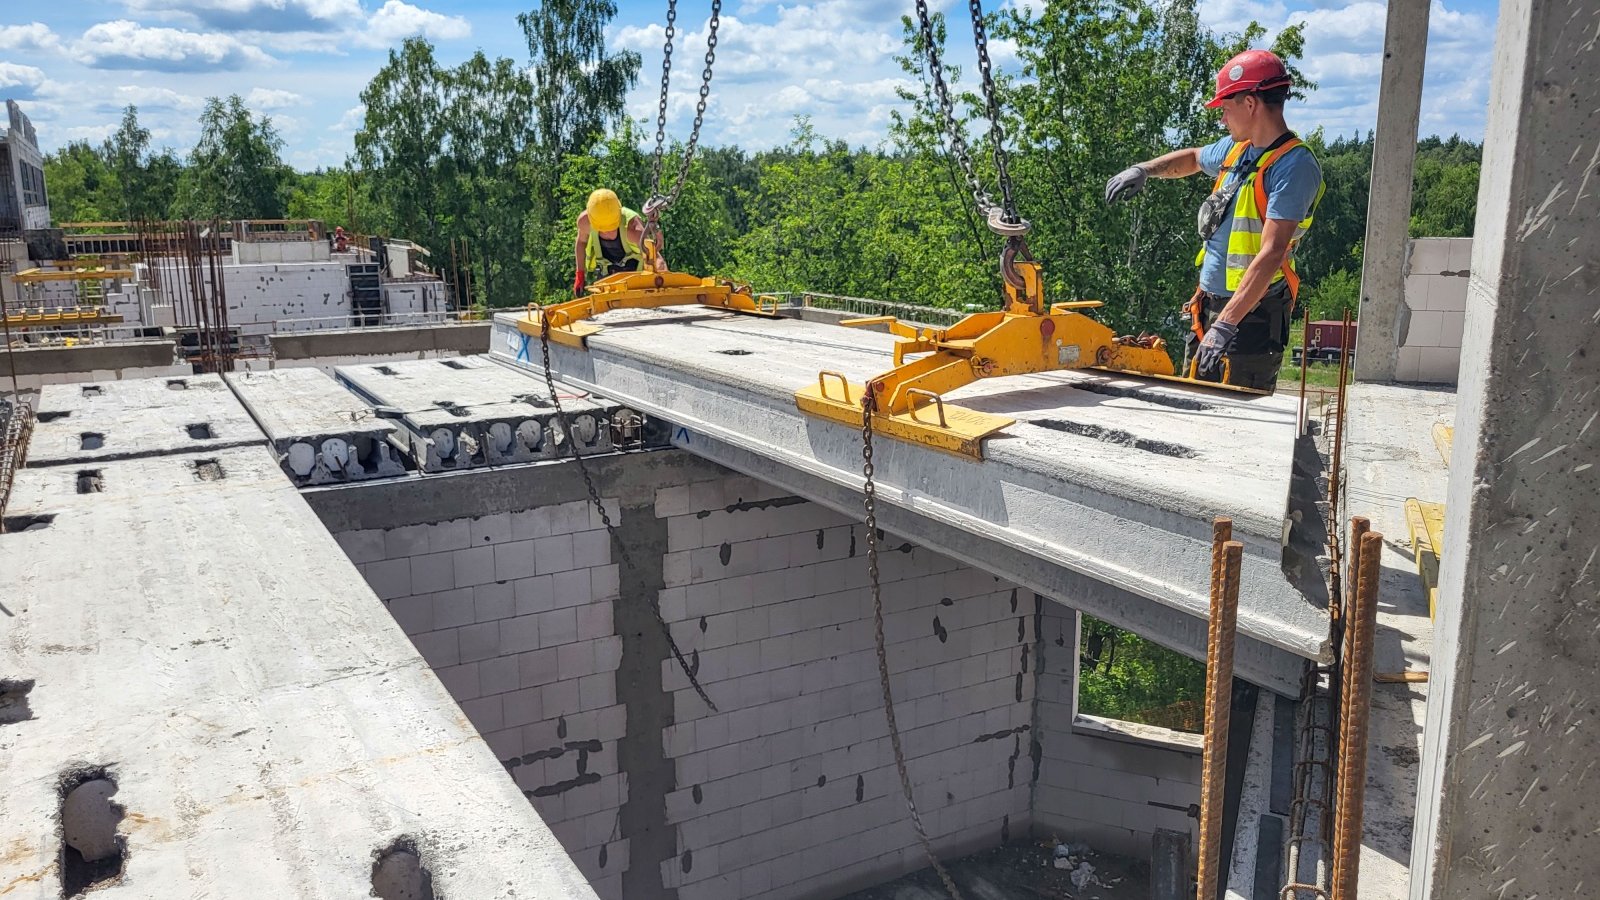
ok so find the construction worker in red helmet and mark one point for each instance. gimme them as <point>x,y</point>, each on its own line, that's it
<point>1267,185</point>
<point>610,240</point>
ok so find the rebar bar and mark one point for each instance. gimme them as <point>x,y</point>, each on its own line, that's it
<point>1355,720</point>
<point>1225,560</point>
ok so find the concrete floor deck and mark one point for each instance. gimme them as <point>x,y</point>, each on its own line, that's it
<point>1101,494</point>
<point>1390,456</point>
<point>269,727</point>
<point>138,418</point>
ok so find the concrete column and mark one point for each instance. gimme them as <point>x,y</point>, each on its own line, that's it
<point>1383,253</point>
<point>1509,791</point>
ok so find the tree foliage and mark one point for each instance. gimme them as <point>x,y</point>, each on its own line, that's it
<point>235,169</point>
<point>1123,676</point>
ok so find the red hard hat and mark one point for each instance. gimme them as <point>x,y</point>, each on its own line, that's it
<point>1252,70</point>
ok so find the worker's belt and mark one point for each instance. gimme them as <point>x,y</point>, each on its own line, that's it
<point>1264,330</point>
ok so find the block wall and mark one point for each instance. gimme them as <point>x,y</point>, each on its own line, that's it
<point>1098,779</point>
<point>514,613</point>
<point>1437,271</point>
<point>788,788</point>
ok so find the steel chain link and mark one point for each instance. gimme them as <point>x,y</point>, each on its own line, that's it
<point>870,503</point>
<point>1004,214</point>
<point>997,132</point>
<point>660,201</point>
<point>661,111</point>
<point>605,517</point>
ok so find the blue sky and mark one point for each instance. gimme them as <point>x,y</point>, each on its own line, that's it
<point>74,65</point>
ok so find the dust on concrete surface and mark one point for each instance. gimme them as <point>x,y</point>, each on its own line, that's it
<point>1024,870</point>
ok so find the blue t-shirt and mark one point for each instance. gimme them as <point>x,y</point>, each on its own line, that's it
<point>1292,184</point>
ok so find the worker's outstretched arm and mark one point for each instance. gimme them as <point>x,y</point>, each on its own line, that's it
<point>1130,181</point>
<point>580,247</point>
<point>1275,240</point>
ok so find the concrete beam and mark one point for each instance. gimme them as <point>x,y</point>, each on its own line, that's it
<point>461,338</point>
<point>1101,495</point>
<point>320,432</point>
<point>110,420</point>
<point>1394,151</point>
<point>114,357</point>
<point>1506,800</point>
<point>269,728</point>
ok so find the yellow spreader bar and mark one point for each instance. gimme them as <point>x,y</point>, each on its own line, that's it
<point>641,290</point>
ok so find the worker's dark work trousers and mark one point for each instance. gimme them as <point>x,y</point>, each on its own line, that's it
<point>1256,354</point>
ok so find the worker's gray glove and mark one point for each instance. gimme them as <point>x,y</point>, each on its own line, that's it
<point>1212,347</point>
<point>1125,184</point>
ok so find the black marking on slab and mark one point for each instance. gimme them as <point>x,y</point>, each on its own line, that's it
<point>939,629</point>
<point>686,861</point>
<point>821,537</point>
<point>946,601</point>
<point>561,727</point>
<point>1013,599</point>
<point>703,625</point>
<point>696,794</point>
<point>725,552</point>
<point>861,787</point>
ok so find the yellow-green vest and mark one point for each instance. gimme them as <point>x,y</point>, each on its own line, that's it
<point>1250,217</point>
<point>592,256</point>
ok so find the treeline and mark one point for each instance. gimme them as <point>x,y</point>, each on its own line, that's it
<point>497,156</point>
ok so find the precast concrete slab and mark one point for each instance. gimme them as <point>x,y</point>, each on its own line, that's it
<point>1102,493</point>
<point>321,432</point>
<point>110,420</point>
<point>466,412</point>
<point>192,635</point>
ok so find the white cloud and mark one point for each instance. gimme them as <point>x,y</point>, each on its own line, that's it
<point>91,133</point>
<point>20,82</point>
<point>396,21</point>
<point>255,15</point>
<point>32,36</point>
<point>149,99</point>
<point>128,45</point>
<point>352,120</point>
<point>261,99</point>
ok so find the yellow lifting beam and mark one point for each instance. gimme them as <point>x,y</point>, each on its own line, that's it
<point>641,290</point>
<point>80,315</point>
<point>1019,340</point>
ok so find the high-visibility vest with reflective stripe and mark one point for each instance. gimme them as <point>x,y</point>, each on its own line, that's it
<point>1250,217</point>
<point>592,255</point>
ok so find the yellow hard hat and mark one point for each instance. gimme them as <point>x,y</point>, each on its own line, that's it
<point>605,211</point>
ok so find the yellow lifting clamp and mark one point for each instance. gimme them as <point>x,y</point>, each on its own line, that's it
<point>1022,339</point>
<point>642,290</point>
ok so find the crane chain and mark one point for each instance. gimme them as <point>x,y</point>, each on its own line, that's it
<point>870,503</point>
<point>997,132</point>
<point>1002,217</point>
<point>660,201</point>
<point>605,517</point>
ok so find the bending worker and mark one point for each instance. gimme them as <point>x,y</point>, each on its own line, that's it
<point>1267,187</point>
<point>610,240</point>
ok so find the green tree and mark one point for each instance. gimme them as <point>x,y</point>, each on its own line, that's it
<point>1123,676</point>
<point>487,117</point>
<point>579,90</point>
<point>83,188</point>
<point>147,181</point>
<point>401,142</point>
<point>234,170</point>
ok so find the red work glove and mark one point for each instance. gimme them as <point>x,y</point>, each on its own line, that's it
<point>577,284</point>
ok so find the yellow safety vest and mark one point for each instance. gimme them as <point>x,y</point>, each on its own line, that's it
<point>592,256</point>
<point>1250,218</point>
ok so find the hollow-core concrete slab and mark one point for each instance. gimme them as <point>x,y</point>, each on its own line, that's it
<point>321,432</point>
<point>109,420</point>
<point>466,412</point>
<point>196,632</point>
<point>1102,493</point>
